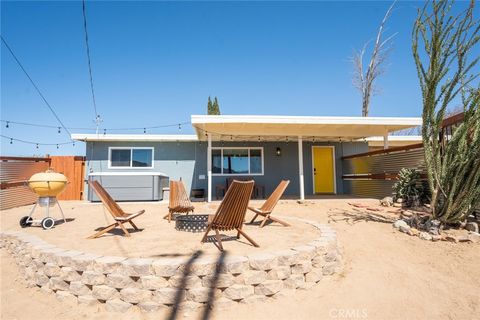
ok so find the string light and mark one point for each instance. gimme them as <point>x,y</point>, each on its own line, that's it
<point>37,145</point>
<point>179,127</point>
<point>57,146</point>
<point>144,130</point>
<point>59,131</point>
<point>11,141</point>
<point>8,125</point>
<point>104,131</point>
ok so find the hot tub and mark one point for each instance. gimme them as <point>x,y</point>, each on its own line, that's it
<point>130,186</point>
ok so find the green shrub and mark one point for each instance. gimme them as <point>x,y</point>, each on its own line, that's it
<point>409,187</point>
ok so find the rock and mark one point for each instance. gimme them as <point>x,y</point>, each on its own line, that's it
<point>135,295</point>
<point>198,294</point>
<point>302,267</point>
<point>41,279</point>
<point>400,223</point>
<point>404,229</point>
<point>450,238</point>
<point>64,258</point>
<point>149,306</point>
<point>399,200</point>
<point>433,226</point>
<point>472,226</point>
<point>474,237</point>
<point>305,252</point>
<point>79,289</point>
<point>166,295</point>
<point>93,278</point>
<point>222,280</point>
<point>51,270</point>
<point>287,257</point>
<point>224,303</point>
<point>108,264</point>
<point>83,262</point>
<point>237,292</point>
<point>279,273</point>
<point>153,282</point>
<point>263,261</point>
<point>413,232</point>
<point>269,287</point>
<point>136,267</point>
<point>314,276</point>
<point>284,293</point>
<point>425,236</point>
<point>166,267</point>
<point>87,300</point>
<point>203,267</point>
<point>436,237</point>
<point>56,283</point>
<point>69,274</point>
<point>463,238</point>
<point>329,268</point>
<point>331,256</point>
<point>187,282</point>
<point>66,297</point>
<point>254,299</point>
<point>103,292</point>
<point>294,281</point>
<point>119,281</point>
<point>386,202</point>
<point>254,276</point>
<point>234,265</point>
<point>117,305</point>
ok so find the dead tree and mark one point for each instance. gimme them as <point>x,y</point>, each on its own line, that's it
<point>364,80</point>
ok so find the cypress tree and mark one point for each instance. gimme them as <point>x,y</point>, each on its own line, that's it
<point>216,107</point>
<point>209,106</point>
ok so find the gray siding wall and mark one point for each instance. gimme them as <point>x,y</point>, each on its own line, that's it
<point>188,160</point>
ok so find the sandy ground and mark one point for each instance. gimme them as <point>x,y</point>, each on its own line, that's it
<point>158,237</point>
<point>387,275</point>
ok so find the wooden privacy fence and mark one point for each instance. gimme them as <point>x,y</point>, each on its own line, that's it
<point>373,174</point>
<point>73,167</point>
<point>15,171</point>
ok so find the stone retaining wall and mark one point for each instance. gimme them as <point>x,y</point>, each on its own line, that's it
<point>120,283</point>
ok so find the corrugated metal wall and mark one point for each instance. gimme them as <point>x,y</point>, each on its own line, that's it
<point>17,171</point>
<point>370,174</point>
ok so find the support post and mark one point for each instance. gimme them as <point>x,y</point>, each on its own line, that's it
<point>209,167</point>
<point>385,141</point>
<point>300,168</point>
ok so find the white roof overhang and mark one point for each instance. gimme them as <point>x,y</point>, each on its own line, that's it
<point>224,127</point>
<point>135,137</point>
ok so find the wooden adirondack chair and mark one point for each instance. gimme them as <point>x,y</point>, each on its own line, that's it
<point>230,214</point>
<point>178,201</point>
<point>266,209</point>
<point>117,213</point>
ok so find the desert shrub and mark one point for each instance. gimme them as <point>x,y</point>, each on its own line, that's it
<point>409,187</point>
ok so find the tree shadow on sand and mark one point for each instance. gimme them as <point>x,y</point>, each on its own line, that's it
<point>181,289</point>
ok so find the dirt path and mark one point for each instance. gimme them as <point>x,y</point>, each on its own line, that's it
<point>387,275</point>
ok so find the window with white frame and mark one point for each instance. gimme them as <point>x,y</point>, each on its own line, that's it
<point>237,161</point>
<point>130,157</point>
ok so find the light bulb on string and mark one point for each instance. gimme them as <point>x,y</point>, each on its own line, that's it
<point>57,146</point>
<point>73,144</point>
<point>59,131</point>
<point>7,125</point>
<point>37,145</point>
<point>144,130</point>
<point>104,131</point>
<point>11,140</point>
<point>179,127</point>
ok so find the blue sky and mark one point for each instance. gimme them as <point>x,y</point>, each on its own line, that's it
<point>157,62</point>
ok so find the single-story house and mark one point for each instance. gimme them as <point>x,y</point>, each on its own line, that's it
<point>305,150</point>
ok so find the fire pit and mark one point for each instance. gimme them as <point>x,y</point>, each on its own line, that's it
<point>191,222</point>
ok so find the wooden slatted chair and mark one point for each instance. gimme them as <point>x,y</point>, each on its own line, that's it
<point>230,214</point>
<point>178,200</point>
<point>266,209</point>
<point>117,213</point>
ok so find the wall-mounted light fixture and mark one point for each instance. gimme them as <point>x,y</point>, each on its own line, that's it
<point>278,152</point>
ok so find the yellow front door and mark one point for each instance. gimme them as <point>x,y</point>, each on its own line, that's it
<point>323,170</point>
